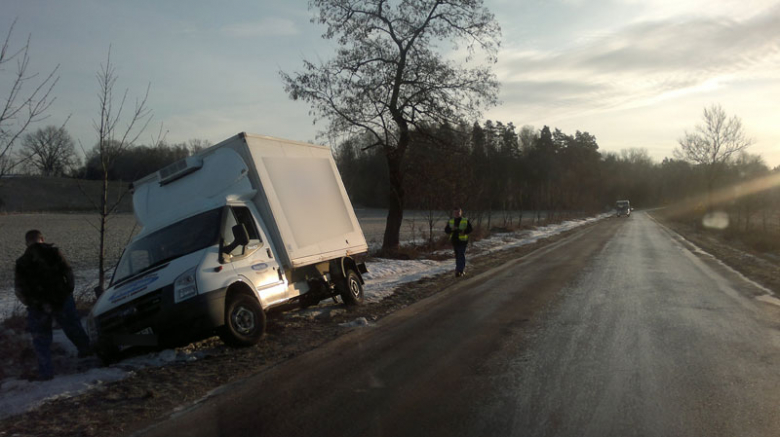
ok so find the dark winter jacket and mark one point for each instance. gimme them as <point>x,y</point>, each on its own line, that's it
<point>454,231</point>
<point>43,277</point>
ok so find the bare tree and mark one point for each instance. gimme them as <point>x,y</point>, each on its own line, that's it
<point>195,145</point>
<point>25,102</point>
<point>390,78</point>
<point>49,150</point>
<point>116,133</point>
<point>713,143</point>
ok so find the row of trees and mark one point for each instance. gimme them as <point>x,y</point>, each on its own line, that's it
<point>487,168</point>
<point>495,171</point>
<point>51,151</point>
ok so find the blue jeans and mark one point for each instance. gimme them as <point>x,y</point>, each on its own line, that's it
<point>39,323</point>
<point>460,257</point>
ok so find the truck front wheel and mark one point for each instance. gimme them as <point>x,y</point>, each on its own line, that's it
<point>244,321</point>
<point>352,289</point>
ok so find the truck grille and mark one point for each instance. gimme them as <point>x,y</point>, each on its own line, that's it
<point>121,318</point>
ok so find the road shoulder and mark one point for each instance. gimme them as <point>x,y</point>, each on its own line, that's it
<point>757,268</point>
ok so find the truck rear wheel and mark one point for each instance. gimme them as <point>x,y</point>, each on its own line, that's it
<point>351,289</point>
<point>244,321</point>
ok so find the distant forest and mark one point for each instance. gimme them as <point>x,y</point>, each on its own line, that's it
<point>493,167</point>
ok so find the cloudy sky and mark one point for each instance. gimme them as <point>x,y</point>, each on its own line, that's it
<point>634,73</point>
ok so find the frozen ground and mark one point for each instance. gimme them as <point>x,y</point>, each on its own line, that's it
<point>76,376</point>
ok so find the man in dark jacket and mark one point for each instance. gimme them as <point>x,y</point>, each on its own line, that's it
<point>44,283</point>
<point>458,228</point>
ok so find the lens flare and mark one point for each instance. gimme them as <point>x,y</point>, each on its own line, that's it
<point>716,220</point>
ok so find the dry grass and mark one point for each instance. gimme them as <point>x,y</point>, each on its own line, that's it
<point>757,240</point>
<point>739,250</point>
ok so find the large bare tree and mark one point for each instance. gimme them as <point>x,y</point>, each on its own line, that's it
<point>26,99</point>
<point>393,74</point>
<point>713,143</point>
<point>49,150</point>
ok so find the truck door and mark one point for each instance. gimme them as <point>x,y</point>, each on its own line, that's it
<point>255,261</point>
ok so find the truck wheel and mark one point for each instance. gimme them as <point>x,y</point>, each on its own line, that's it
<point>352,289</point>
<point>244,321</point>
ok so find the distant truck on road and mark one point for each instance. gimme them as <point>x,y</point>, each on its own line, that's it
<point>623,208</point>
<point>247,225</point>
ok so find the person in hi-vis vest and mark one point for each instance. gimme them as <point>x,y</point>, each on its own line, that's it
<point>458,228</point>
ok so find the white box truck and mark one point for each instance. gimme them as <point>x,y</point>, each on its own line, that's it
<point>247,225</point>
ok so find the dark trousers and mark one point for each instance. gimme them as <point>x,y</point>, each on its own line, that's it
<point>39,323</point>
<point>460,257</point>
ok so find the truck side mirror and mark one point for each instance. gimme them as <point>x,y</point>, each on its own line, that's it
<point>240,235</point>
<point>240,238</point>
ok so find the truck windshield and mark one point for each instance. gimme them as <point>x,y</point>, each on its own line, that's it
<point>178,239</point>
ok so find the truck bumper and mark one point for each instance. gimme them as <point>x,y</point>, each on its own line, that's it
<point>156,320</point>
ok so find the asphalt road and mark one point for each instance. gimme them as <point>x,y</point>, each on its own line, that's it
<point>620,330</point>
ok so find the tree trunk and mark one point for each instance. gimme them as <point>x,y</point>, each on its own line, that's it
<point>102,254</point>
<point>395,211</point>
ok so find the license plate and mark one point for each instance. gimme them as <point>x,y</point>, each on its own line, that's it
<point>144,337</point>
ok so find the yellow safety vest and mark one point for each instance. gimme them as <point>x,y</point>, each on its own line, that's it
<point>464,223</point>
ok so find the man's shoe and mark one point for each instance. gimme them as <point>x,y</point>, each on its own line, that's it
<point>458,274</point>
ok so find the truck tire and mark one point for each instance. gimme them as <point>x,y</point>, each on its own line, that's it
<point>244,321</point>
<point>351,289</point>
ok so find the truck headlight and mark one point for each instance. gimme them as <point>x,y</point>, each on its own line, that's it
<point>185,286</point>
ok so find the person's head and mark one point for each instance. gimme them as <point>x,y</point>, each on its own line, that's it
<point>457,212</point>
<point>33,236</point>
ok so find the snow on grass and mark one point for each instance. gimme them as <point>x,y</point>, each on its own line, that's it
<point>385,275</point>
<point>512,240</point>
<point>383,278</point>
<point>74,376</point>
<point>18,396</point>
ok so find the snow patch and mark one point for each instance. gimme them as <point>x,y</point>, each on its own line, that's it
<point>360,321</point>
<point>385,275</point>
<point>19,396</point>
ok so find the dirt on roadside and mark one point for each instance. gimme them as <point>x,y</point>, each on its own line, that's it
<point>151,394</point>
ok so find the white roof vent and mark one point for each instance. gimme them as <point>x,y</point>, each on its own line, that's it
<point>179,169</point>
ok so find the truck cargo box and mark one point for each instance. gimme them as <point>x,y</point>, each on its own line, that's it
<point>295,187</point>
